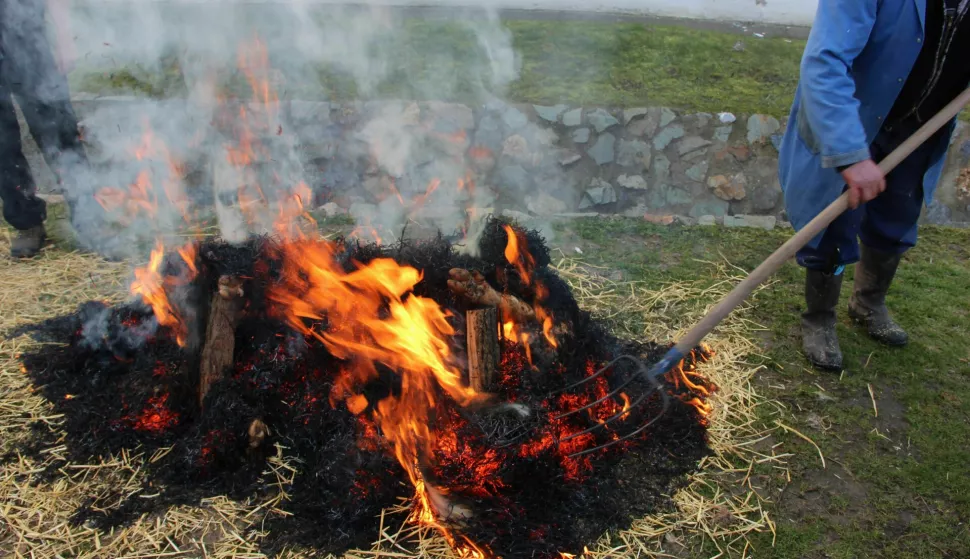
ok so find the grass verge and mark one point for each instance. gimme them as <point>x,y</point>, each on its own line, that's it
<point>574,62</point>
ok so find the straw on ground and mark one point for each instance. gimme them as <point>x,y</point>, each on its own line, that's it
<point>719,501</point>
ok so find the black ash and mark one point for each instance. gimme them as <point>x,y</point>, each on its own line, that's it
<point>122,382</point>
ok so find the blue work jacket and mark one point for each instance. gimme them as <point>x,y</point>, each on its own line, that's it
<point>858,56</point>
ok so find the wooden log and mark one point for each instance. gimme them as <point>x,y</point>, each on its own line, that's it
<point>258,431</point>
<point>472,286</point>
<point>481,333</point>
<point>220,333</point>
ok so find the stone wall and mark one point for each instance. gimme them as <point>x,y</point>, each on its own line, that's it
<point>561,160</point>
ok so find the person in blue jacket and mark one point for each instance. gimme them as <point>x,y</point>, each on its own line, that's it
<point>872,73</point>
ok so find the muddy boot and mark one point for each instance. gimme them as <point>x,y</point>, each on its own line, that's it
<point>819,340</point>
<point>873,275</point>
<point>28,242</point>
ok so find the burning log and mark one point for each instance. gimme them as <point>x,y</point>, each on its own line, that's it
<point>472,286</point>
<point>220,333</point>
<point>483,349</point>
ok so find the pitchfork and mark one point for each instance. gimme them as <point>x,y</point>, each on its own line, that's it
<point>742,291</point>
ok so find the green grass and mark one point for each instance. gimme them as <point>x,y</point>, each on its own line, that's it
<point>896,485</point>
<point>562,62</point>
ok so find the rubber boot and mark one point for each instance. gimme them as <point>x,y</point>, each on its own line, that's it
<point>819,340</point>
<point>873,275</point>
<point>28,242</point>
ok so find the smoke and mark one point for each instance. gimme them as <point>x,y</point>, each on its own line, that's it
<point>219,154</point>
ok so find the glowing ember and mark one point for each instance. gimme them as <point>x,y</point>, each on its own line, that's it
<point>156,417</point>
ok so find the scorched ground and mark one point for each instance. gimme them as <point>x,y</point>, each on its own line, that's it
<point>351,358</point>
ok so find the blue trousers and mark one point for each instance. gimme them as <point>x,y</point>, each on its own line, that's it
<point>886,223</point>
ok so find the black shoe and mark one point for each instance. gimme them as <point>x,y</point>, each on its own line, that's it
<point>819,340</point>
<point>28,242</point>
<point>873,276</point>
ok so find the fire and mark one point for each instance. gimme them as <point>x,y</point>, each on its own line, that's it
<point>370,317</point>
<point>521,259</point>
<point>153,287</point>
<point>525,264</point>
<point>141,197</point>
<point>684,376</point>
<point>510,331</point>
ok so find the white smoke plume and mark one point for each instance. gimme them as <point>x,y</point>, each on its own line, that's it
<point>148,156</point>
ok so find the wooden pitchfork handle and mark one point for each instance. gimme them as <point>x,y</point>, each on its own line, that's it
<point>798,240</point>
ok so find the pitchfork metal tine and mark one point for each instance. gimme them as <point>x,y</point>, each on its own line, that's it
<point>615,391</point>
<point>652,376</point>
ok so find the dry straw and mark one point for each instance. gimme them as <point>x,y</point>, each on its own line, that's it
<point>719,503</point>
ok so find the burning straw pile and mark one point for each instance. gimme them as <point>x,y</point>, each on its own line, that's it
<point>332,381</point>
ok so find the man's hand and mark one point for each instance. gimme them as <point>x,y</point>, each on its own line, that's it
<point>865,181</point>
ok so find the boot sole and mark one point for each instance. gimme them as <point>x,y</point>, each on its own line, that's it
<point>864,323</point>
<point>27,254</point>
<point>825,366</point>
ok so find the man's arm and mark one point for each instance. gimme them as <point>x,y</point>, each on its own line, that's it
<point>839,33</point>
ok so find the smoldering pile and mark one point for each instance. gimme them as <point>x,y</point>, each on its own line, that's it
<point>123,381</point>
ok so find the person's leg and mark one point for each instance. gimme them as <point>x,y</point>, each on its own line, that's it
<point>823,284</point>
<point>40,89</point>
<point>888,230</point>
<point>44,97</point>
<point>22,209</point>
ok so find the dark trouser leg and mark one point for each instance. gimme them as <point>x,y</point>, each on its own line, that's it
<point>21,208</point>
<point>889,228</point>
<point>32,76</point>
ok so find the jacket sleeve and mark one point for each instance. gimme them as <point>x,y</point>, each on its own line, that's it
<point>839,33</point>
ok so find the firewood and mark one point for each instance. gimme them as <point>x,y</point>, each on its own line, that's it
<point>220,333</point>
<point>472,286</point>
<point>481,334</point>
<point>258,431</point>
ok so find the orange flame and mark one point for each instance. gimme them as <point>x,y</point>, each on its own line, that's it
<point>375,319</point>
<point>153,288</point>
<point>141,196</point>
<point>525,263</point>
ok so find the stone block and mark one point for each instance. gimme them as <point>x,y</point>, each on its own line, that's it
<point>514,119</point>
<point>602,151</point>
<point>633,153</point>
<point>691,144</point>
<point>573,117</point>
<point>666,116</point>
<point>667,135</point>
<point>601,120</point>
<point>630,114</point>
<point>712,206</point>
<point>550,114</point>
<point>761,127</point>
<point>766,222</point>
<point>728,188</point>
<point>634,182</point>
